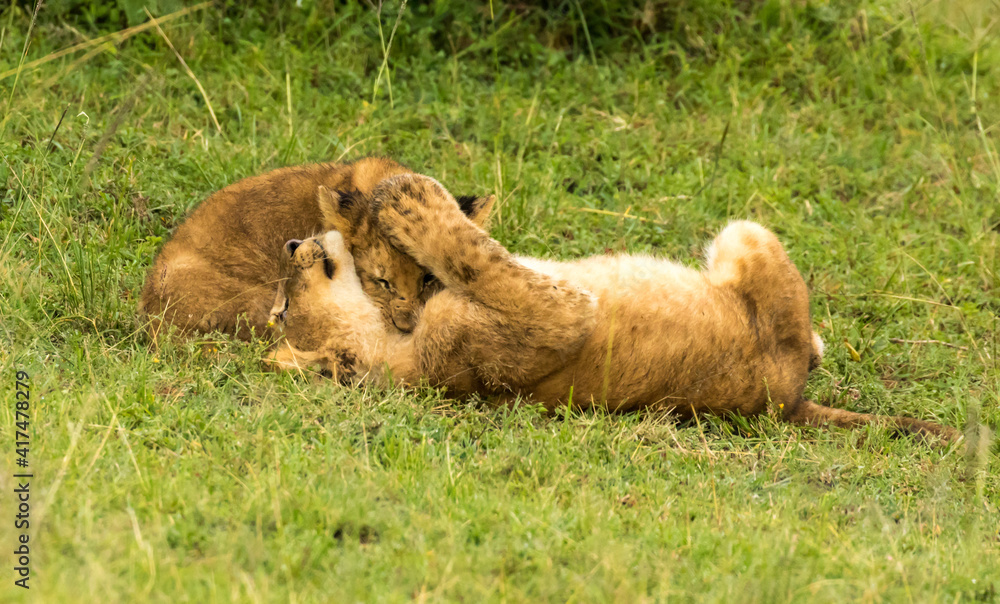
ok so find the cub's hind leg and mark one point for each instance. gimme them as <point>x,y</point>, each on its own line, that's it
<point>749,258</point>
<point>750,261</point>
<point>522,324</point>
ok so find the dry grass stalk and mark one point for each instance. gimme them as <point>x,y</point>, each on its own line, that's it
<point>116,37</point>
<point>190,73</point>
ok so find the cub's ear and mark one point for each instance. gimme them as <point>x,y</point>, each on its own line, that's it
<point>477,208</point>
<point>279,309</point>
<point>338,209</point>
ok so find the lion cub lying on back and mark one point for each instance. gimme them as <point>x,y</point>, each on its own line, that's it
<point>616,331</point>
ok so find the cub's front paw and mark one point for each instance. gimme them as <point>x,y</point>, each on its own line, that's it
<point>287,358</point>
<point>410,207</point>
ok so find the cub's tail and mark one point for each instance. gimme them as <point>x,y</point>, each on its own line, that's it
<point>809,413</point>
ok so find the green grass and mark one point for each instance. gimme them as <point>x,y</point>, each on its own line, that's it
<point>863,134</point>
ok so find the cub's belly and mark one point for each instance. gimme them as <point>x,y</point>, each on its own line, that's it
<point>668,347</point>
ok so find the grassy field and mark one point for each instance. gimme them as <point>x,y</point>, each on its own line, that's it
<point>863,133</point>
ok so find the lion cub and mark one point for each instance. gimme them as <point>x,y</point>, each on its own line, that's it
<point>220,269</point>
<point>621,332</point>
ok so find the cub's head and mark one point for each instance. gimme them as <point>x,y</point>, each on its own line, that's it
<point>325,316</point>
<point>397,285</point>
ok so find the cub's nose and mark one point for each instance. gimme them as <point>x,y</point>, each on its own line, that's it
<point>403,319</point>
<point>291,245</point>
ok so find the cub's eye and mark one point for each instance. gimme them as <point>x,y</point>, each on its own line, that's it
<point>429,278</point>
<point>383,283</point>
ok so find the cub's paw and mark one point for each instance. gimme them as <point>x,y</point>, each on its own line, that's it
<point>412,207</point>
<point>285,357</point>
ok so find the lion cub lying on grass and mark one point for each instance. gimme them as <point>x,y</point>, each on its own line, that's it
<point>220,269</point>
<point>621,332</point>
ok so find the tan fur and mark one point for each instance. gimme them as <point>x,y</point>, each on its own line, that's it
<point>620,332</point>
<point>398,285</point>
<point>221,267</point>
